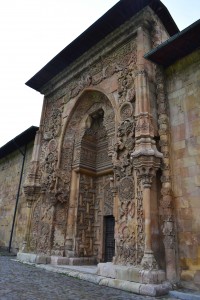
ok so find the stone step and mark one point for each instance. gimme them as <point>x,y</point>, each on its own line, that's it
<point>185,295</point>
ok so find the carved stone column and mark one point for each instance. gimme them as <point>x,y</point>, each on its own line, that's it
<point>71,220</point>
<point>32,188</point>
<point>26,242</point>
<point>146,167</point>
<point>31,193</point>
<point>146,158</point>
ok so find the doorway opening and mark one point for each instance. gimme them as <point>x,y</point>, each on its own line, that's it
<point>109,223</point>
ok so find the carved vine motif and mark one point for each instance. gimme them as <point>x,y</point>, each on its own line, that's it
<point>126,237</point>
<point>49,144</point>
<point>53,119</point>
<point>48,171</point>
<point>140,224</point>
<point>126,89</point>
<point>126,244</point>
<point>123,148</point>
<point>41,226</point>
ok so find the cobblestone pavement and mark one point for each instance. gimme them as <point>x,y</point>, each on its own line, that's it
<point>25,282</point>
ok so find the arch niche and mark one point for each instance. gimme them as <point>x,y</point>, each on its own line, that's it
<point>87,142</point>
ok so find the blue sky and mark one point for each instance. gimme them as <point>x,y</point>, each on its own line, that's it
<point>32,33</point>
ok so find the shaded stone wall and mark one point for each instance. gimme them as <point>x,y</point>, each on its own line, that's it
<point>10,169</point>
<point>183,87</point>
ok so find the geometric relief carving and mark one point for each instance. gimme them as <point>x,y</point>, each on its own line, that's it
<point>103,207</point>
<point>108,201</point>
<point>85,217</point>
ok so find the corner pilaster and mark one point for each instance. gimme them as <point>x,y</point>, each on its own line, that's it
<point>146,158</point>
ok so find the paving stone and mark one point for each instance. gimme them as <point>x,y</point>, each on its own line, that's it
<point>26,282</point>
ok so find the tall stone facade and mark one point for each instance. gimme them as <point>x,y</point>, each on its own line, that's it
<point>97,157</point>
<point>183,95</point>
<point>102,185</point>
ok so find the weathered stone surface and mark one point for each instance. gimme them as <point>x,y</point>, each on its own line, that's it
<point>185,124</point>
<point>10,169</point>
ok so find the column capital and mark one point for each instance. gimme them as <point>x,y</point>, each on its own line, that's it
<point>146,167</point>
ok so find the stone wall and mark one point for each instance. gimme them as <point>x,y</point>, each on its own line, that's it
<point>10,170</point>
<point>183,87</point>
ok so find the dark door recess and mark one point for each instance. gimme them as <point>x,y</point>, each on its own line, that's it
<point>109,238</point>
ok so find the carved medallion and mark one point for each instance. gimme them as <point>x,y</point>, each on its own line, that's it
<point>126,111</point>
<point>126,189</point>
<point>52,145</point>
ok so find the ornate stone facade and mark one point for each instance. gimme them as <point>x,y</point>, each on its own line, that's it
<point>103,152</point>
<point>97,154</point>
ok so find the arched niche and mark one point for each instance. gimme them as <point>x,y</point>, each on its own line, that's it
<point>86,166</point>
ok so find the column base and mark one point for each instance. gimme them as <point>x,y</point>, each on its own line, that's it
<point>131,273</point>
<point>148,261</point>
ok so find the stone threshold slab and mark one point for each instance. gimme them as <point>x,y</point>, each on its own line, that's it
<point>84,273</point>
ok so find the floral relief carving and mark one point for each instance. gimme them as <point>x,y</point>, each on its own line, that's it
<point>106,67</point>
<point>126,89</point>
<point>56,175</point>
<point>122,149</point>
<point>126,245</point>
<point>52,126</point>
<point>126,111</point>
<point>126,189</point>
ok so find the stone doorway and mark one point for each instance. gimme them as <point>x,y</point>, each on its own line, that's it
<point>95,198</point>
<point>109,225</point>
